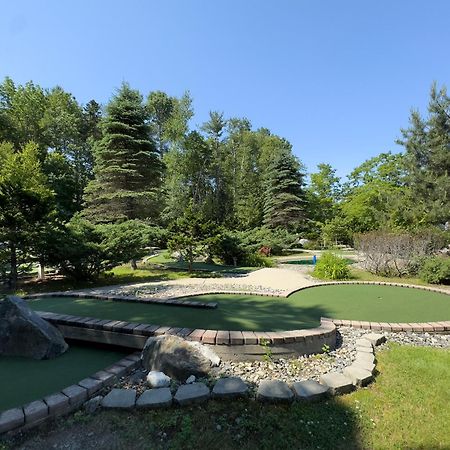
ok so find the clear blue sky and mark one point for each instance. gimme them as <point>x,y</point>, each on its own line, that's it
<point>336,78</point>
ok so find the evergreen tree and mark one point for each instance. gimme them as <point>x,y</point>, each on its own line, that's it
<point>127,168</point>
<point>427,144</point>
<point>284,202</point>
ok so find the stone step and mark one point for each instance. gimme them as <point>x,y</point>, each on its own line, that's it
<point>359,376</point>
<point>155,398</point>
<point>120,398</point>
<point>188,394</point>
<point>375,338</point>
<point>231,387</point>
<point>337,383</point>
<point>274,391</point>
<point>309,390</point>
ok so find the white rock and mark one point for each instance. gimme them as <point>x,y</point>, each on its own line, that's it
<point>158,379</point>
<point>190,379</point>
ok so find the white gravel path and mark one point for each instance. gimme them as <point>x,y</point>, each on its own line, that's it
<point>279,281</point>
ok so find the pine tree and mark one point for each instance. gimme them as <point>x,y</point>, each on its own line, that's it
<point>284,196</point>
<point>127,167</point>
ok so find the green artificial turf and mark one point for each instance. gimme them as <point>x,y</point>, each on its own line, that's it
<point>302,309</point>
<point>23,380</point>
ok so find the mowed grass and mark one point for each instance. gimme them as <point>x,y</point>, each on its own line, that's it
<point>23,380</point>
<point>405,408</point>
<point>303,309</point>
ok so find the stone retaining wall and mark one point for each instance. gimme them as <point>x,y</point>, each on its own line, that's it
<point>238,345</point>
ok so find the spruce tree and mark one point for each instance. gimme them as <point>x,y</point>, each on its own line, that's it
<point>127,167</point>
<point>284,196</point>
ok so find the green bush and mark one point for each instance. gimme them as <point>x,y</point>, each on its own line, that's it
<point>256,260</point>
<point>331,267</point>
<point>436,270</point>
<point>276,239</point>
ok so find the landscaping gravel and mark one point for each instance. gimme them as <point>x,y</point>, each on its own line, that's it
<point>310,367</point>
<point>172,291</point>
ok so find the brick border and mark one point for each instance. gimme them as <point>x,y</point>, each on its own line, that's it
<point>372,283</point>
<point>212,337</point>
<point>430,327</point>
<point>67,400</point>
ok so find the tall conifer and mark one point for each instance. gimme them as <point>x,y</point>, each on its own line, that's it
<point>127,167</point>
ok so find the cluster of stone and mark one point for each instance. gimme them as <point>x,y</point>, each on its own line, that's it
<point>358,374</point>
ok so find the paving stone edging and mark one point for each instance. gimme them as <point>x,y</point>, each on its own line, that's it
<point>67,400</point>
<point>358,374</point>
<point>429,327</point>
<point>212,337</point>
<point>372,283</point>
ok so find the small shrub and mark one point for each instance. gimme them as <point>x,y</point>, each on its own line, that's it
<point>331,267</point>
<point>255,260</point>
<point>436,270</point>
<point>267,357</point>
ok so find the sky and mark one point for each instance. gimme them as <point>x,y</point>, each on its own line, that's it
<point>337,79</point>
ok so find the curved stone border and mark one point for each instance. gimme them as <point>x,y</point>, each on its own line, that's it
<point>372,283</point>
<point>243,342</point>
<point>359,373</point>
<point>430,327</point>
<point>67,400</point>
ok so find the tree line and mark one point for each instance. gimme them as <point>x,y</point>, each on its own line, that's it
<point>85,187</point>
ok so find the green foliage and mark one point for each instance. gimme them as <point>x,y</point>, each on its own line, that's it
<point>268,354</point>
<point>336,231</point>
<point>331,267</point>
<point>257,260</point>
<point>26,206</point>
<point>427,142</point>
<point>83,250</point>
<point>127,167</point>
<point>192,236</point>
<point>436,270</point>
<point>284,199</point>
<point>277,239</point>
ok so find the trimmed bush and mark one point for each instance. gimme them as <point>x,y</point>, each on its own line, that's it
<point>331,267</point>
<point>256,260</point>
<point>436,270</point>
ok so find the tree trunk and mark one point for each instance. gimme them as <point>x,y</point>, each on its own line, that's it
<point>13,271</point>
<point>133,264</point>
<point>41,271</point>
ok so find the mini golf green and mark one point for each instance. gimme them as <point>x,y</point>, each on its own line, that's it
<point>24,380</point>
<point>302,309</point>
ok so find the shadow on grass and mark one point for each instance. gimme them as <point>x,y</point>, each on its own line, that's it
<point>215,425</point>
<point>235,312</point>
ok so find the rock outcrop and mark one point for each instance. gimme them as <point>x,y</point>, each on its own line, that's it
<point>177,357</point>
<point>24,333</point>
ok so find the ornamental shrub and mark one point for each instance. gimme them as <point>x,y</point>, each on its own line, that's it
<point>331,267</point>
<point>436,270</point>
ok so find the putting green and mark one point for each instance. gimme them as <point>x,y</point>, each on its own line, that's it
<point>302,309</point>
<point>24,380</point>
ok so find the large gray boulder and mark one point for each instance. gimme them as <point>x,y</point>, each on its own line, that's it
<point>24,333</point>
<point>177,357</point>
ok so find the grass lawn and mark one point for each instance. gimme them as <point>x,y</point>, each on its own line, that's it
<point>405,408</point>
<point>159,268</point>
<point>24,380</point>
<point>303,309</point>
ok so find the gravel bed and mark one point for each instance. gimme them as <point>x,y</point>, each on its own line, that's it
<point>302,367</point>
<point>165,291</point>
